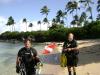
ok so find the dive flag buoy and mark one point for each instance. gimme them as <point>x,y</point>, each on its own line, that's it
<point>49,48</point>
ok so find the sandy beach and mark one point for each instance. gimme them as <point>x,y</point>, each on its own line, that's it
<point>89,61</point>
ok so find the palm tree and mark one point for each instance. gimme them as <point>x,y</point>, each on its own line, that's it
<point>98,17</point>
<point>25,21</point>
<point>76,17</point>
<point>75,20</point>
<point>62,22</point>
<point>71,6</point>
<point>31,25</point>
<point>87,4</point>
<point>10,22</point>
<point>57,19</point>
<point>82,18</point>
<point>79,20</point>
<point>98,6</point>
<point>45,11</point>
<point>60,16</point>
<point>45,20</point>
<point>98,10</point>
<point>39,23</point>
<point>54,21</point>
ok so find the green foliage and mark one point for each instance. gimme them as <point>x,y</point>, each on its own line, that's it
<point>93,29</point>
<point>56,26</point>
<point>57,33</point>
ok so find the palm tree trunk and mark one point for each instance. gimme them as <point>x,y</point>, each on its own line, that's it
<point>76,14</point>
<point>46,16</point>
<point>73,17</point>
<point>66,21</point>
<point>48,26</point>
<point>40,27</point>
<point>31,29</point>
<point>12,28</point>
<point>90,12</point>
<point>91,15</point>
<point>47,23</point>
<point>26,26</point>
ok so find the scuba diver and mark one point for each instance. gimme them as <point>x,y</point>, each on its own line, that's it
<point>27,59</point>
<point>71,52</point>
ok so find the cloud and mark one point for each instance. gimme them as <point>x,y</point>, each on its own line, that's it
<point>35,27</point>
<point>3,21</point>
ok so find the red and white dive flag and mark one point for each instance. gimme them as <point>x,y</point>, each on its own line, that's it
<point>49,48</point>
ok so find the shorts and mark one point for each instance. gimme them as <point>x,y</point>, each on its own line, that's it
<point>72,60</point>
<point>30,71</point>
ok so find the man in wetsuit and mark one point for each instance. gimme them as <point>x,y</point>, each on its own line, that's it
<point>71,51</point>
<point>28,56</point>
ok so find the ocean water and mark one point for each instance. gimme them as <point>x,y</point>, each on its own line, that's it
<point>8,53</point>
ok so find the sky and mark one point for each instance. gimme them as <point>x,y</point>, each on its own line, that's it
<point>30,9</point>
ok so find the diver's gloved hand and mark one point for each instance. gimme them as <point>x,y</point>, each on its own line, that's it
<point>39,64</point>
<point>17,69</point>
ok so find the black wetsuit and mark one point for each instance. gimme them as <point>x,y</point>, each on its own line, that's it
<point>72,56</point>
<point>27,58</point>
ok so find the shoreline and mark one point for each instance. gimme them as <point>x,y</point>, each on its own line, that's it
<point>89,61</point>
<point>12,40</point>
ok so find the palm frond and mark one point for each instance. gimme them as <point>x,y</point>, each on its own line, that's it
<point>71,11</point>
<point>98,10</point>
<point>90,17</point>
<point>89,9</point>
<point>98,1</point>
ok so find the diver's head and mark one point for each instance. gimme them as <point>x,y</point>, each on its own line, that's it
<point>70,36</point>
<point>27,43</point>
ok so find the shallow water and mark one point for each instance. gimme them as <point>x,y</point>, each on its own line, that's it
<point>8,52</point>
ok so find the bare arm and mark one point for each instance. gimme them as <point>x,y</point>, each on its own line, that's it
<point>18,60</point>
<point>74,48</point>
